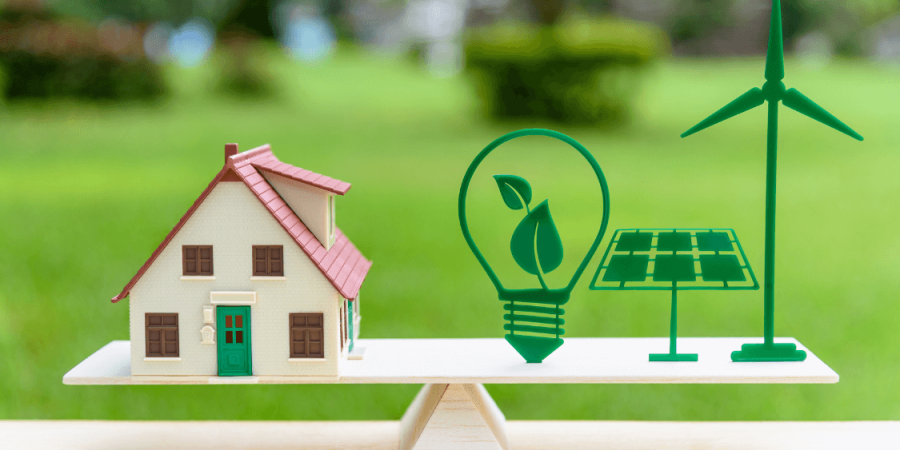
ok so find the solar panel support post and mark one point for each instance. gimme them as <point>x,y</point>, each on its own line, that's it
<point>673,354</point>
<point>673,323</point>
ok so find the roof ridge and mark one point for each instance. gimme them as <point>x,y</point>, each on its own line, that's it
<point>242,158</point>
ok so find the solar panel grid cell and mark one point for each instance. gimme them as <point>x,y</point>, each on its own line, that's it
<point>634,242</point>
<point>714,242</point>
<point>674,268</point>
<point>627,268</point>
<point>674,242</point>
<point>721,268</point>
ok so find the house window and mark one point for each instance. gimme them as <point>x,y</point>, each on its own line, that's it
<point>196,260</point>
<point>307,335</point>
<point>268,261</point>
<point>162,335</point>
<point>331,217</point>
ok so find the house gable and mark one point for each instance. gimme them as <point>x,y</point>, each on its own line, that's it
<point>232,220</point>
<point>311,204</point>
<point>342,264</point>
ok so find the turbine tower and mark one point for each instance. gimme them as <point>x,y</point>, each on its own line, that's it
<point>773,91</point>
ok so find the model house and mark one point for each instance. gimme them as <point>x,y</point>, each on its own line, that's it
<point>255,279</point>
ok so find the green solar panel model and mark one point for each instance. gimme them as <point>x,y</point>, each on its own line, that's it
<point>674,259</point>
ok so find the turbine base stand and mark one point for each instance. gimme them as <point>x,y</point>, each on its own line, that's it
<point>685,357</point>
<point>768,352</point>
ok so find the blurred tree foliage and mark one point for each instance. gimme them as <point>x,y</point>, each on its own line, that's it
<point>548,12</point>
<point>175,11</point>
<point>252,17</point>
<point>698,18</point>
<point>871,10</point>
<point>842,21</point>
<point>577,70</point>
<point>240,25</point>
<point>241,67</point>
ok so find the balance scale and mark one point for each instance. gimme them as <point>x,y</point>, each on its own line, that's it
<point>453,409</point>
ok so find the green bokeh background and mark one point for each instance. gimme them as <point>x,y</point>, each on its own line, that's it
<point>88,191</point>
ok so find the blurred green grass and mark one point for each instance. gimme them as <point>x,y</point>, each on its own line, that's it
<point>88,191</point>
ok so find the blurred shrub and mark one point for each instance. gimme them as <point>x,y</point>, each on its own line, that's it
<point>45,57</point>
<point>575,71</point>
<point>32,75</point>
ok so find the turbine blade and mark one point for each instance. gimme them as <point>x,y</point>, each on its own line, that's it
<point>751,99</point>
<point>802,104</point>
<point>775,54</point>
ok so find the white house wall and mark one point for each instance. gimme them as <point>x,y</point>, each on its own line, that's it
<point>308,202</point>
<point>232,220</point>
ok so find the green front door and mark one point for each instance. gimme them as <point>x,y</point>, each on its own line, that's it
<point>233,337</point>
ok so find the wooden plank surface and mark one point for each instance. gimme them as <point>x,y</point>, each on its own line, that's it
<point>523,435</point>
<point>493,361</point>
<point>453,416</point>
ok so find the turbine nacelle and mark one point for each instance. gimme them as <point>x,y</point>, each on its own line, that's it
<point>774,90</point>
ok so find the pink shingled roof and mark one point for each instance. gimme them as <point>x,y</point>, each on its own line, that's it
<point>343,265</point>
<point>270,163</point>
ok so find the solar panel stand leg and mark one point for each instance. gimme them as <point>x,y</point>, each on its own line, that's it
<point>673,324</point>
<point>673,354</point>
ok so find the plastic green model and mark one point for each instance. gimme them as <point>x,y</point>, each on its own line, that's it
<point>773,91</point>
<point>673,259</point>
<point>537,249</point>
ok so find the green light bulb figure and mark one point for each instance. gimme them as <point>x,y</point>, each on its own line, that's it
<point>537,249</point>
<point>773,91</point>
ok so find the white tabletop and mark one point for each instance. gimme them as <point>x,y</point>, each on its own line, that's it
<point>494,361</point>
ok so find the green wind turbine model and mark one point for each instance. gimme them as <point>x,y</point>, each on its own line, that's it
<point>773,91</point>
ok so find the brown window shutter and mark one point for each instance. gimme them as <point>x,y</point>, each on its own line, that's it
<point>189,260</point>
<point>276,266</point>
<point>197,260</point>
<point>205,260</point>
<point>260,260</point>
<point>268,260</point>
<point>307,335</point>
<point>161,331</point>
